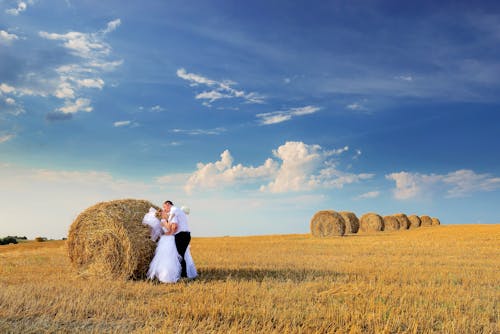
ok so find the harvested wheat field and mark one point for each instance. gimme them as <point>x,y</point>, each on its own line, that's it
<point>438,280</point>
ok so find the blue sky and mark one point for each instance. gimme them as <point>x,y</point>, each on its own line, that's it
<point>254,114</point>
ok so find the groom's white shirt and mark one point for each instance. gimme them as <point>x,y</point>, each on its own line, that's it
<point>178,217</point>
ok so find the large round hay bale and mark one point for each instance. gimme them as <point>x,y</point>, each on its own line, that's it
<point>404,223</point>
<point>327,223</point>
<point>371,222</point>
<point>414,221</point>
<point>108,240</point>
<point>425,220</point>
<point>435,221</point>
<point>391,223</point>
<point>351,221</point>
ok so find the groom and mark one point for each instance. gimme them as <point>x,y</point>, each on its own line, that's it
<point>180,228</point>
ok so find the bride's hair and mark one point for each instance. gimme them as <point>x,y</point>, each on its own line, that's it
<point>169,202</point>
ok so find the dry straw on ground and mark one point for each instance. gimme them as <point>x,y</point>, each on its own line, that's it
<point>426,220</point>
<point>109,240</point>
<point>327,223</point>
<point>351,221</point>
<point>414,221</point>
<point>371,222</point>
<point>404,223</point>
<point>391,223</point>
<point>435,221</point>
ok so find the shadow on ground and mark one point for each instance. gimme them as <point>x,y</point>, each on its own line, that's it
<point>259,275</point>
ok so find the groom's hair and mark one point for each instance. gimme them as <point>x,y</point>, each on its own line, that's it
<point>169,202</point>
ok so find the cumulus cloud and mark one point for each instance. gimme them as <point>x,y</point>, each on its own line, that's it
<point>7,38</point>
<point>222,173</point>
<point>459,183</point>
<point>285,115</point>
<point>121,123</point>
<point>296,167</point>
<point>218,89</point>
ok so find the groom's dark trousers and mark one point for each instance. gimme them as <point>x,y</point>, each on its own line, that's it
<point>182,240</point>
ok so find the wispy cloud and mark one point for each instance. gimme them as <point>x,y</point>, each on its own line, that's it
<point>368,195</point>
<point>21,7</point>
<point>73,80</point>
<point>126,123</point>
<point>276,117</point>
<point>6,137</point>
<point>299,167</point>
<point>217,89</point>
<point>408,78</point>
<point>196,132</point>
<point>459,183</point>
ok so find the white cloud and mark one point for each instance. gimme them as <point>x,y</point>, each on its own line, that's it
<point>91,83</point>
<point>71,107</point>
<point>405,78</point>
<point>121,123</point>
<point>462,182</point>
<point>4,88</point>
<point>356,106</point>
<point>157,108</point>
<point>94,52</point>
<point>223,173</point>
<point>303,167</point>
<point>465,181</point>
<point>112,25</point>
<point>80,44</point>
<point>21,7</point>
<point>65,91</point>
<point>194,79</point>
<point>10,101</point>
<point>7,38</point>
<point>219,89</point>
<point>368,195</point>
<point>196,132</point>
<point>6,138</point>
<point>285,115</point>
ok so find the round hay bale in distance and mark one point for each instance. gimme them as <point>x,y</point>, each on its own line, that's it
<point>404,223</point>
<point>414,221</point>
<point>351,221</point>
<point>426,220</point>
<point>371,222</point>
<point>391,223</point>
<point>435,221</point>
<point>108,240</point>
<point>327,223</point>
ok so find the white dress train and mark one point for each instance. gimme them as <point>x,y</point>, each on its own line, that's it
<point>166,265</point>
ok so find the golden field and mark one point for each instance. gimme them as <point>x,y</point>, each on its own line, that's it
<point>443,279</point>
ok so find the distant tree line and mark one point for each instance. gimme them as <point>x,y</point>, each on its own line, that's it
<point>11,240</point>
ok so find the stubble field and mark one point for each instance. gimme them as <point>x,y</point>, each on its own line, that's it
<point>443,279</point>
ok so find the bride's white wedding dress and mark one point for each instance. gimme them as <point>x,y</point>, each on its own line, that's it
<point>166,265</point>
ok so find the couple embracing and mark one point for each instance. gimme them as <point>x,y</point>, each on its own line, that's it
<point>172,259</point>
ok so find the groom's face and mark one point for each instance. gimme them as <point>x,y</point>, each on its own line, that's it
<point>166,207</point>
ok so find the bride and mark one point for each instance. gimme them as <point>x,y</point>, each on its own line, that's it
<point>166,263</point>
